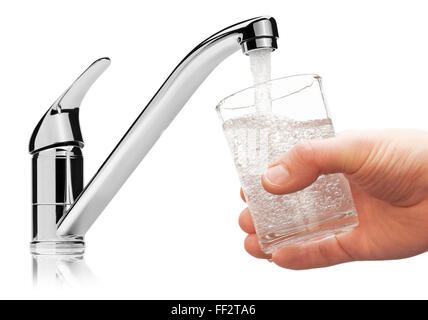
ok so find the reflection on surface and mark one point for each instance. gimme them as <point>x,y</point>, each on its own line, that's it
<point>61,271</point>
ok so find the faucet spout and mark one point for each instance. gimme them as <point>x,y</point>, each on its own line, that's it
<point>249,35</point>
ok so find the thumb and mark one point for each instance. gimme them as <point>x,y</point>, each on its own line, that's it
<point>302,165</point>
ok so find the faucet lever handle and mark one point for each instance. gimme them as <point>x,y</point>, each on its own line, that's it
<point>60,124</point>
<point>73,96</point>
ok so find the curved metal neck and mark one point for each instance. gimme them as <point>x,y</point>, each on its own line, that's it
<point>253,34</point>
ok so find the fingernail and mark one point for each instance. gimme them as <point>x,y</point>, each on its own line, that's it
<point>277,175</point>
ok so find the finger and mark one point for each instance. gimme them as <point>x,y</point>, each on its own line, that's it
<point>246,222</point>
<point>319,254</point>
<point>252,246</point>
<point>243,196</point>
<point>302,165</point>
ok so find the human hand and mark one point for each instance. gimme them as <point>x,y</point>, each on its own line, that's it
<point>388,174</point>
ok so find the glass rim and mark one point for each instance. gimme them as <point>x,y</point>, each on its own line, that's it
<point>315,77</point>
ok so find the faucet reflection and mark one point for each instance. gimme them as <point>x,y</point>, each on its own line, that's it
<point>53,271</point>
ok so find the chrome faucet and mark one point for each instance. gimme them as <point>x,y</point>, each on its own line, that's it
<point>64,210</point>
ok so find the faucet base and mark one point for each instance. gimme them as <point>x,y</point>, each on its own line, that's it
<point>66,247</point>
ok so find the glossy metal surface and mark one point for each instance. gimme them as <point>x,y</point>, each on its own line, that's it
<point>260,34</point>
<point>57,182</point>
<point>253,34</point>
<point>57,165</point>
<point>60,124</point>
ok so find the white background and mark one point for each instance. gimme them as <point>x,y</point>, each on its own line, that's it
<point>171,231</point>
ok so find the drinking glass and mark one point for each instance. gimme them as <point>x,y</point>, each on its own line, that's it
<point>258,136</point>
